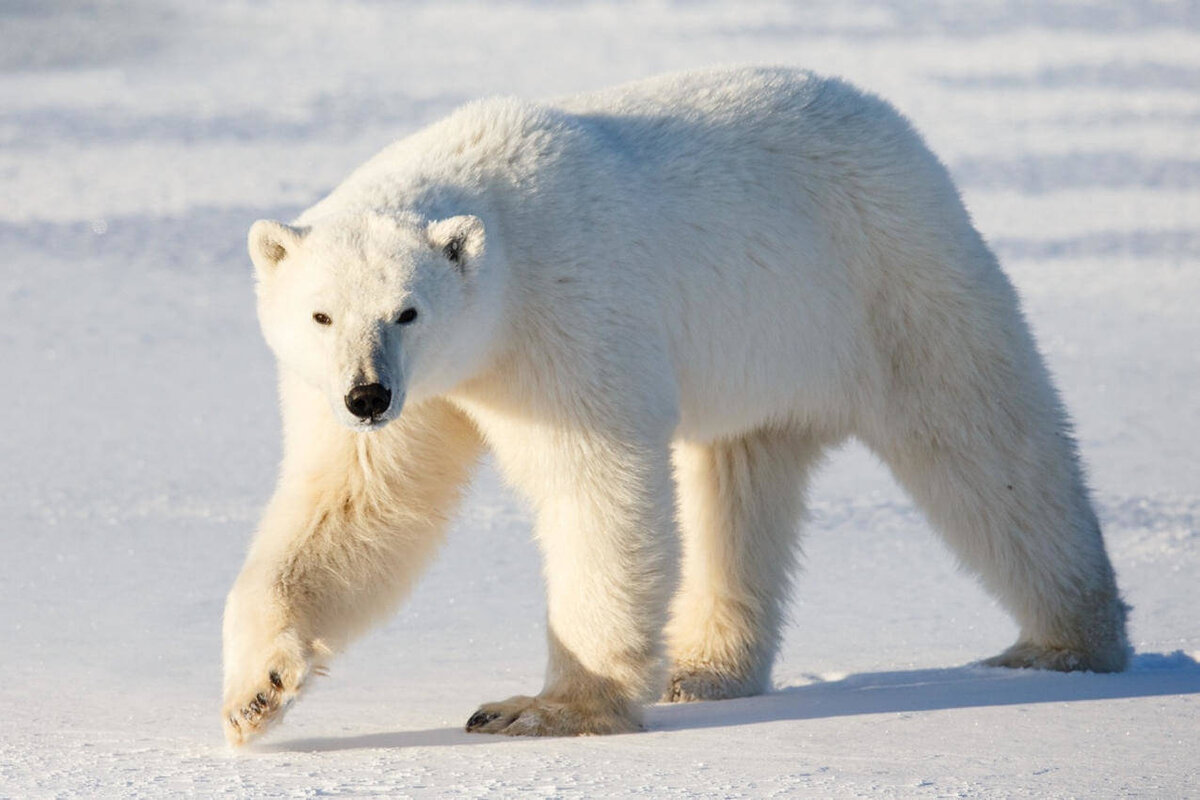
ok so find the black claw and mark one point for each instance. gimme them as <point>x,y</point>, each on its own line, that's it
<point>481,718</point>
<point>276,681</point>
<point>262,699</point>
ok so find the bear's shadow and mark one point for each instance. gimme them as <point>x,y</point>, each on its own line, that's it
<point>1150,675</point>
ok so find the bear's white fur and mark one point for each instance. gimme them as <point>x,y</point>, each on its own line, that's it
<point>658,306</point>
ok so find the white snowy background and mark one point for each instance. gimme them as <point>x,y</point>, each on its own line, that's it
<point>139,436</point>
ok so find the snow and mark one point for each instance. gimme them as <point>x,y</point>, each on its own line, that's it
<point>140,437</point>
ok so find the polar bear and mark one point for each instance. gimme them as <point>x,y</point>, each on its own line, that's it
<point>657,306</point>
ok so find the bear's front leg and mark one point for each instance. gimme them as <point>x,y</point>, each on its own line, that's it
<point>355,518</point>
<point>605,523</point>
<point>269,653</point>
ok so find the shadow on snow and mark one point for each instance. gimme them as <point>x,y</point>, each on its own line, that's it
<point>1150,675</point>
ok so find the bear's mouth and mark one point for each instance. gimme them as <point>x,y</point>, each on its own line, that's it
<point>371,424</point>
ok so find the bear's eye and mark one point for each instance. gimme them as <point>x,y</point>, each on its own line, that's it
<point>453,250</point>
<point>321,318</point>
<point>406,316</point>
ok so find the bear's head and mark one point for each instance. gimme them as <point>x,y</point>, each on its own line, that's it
<point>374,310</point>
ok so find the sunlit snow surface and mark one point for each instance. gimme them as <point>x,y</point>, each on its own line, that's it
<point>140,437</point>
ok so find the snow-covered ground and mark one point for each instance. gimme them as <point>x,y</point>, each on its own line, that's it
<point>139,433</point>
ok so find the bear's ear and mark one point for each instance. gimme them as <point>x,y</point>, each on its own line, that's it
<point>270,242</point>
<point>460,240</point>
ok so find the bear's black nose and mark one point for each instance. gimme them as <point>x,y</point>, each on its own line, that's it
<point>368,401</point>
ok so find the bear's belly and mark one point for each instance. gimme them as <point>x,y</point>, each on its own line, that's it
<point>789,350</point>
<point>793,382</point>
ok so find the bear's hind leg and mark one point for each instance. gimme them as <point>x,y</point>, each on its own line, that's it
<point>1014,509</point>
<point>740,503</point>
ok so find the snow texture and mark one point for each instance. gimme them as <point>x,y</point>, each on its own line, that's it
<point>140,434</point>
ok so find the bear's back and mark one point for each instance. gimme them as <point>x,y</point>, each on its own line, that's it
<point>720,92</point>
<point>744,117</point>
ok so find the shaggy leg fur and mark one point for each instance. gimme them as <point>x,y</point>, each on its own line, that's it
<point>1034,541</point>
<point>740,504</point>
<point>353,521</point>
<point>606,529</point>
<point>971,425</point>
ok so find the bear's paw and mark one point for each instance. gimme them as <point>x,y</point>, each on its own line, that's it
<point>538,716</point>
<point>260,699</point>
<point>691,684</point>
<point>1027,655</point>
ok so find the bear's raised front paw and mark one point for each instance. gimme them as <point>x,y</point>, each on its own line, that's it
<point>537,716</point>
<point>1026,655</point>
<point>261,700</point>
